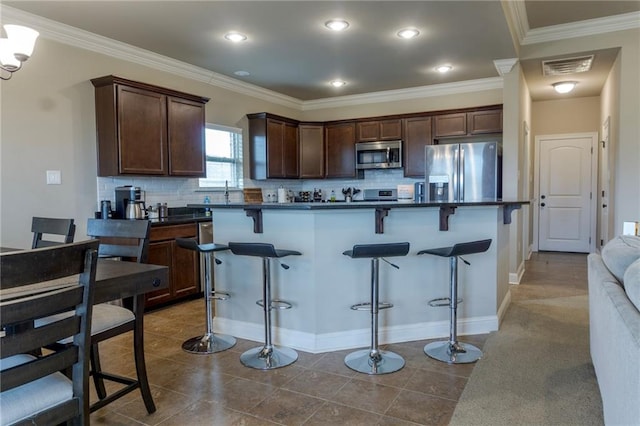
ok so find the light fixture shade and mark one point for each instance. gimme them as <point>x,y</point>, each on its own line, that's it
<point>23,40</point>
<point>7,58</point>
<point>337,24</point>
<point>444,68</point>
<point>408,33</point>
<point>338,83</point>
<point>235,37</point>
<point>564,86</point>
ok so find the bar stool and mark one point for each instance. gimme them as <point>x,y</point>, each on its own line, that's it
<point>452,351</point>
<point>210,342</point>
<point>374,360</point>
<point>268,356</point>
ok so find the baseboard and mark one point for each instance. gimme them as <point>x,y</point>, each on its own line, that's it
<point>515,278</point>
<point>327,342</point>
<point>503,306</point>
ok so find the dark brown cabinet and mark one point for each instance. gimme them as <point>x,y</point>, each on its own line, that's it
<point>311,144</point>
<point>467,123</point>
<point>379,130</point>
<point>489,121</point>
<point>340,155</point>
<point>273,145</point>
<point>184,265</point>
<point>148,130</point>
<point>417,135</point>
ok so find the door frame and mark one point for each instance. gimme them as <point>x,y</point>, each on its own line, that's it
<point>604,177</point>
<point>594,185</point>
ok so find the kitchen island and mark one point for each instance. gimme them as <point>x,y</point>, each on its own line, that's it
<point>322,284</point>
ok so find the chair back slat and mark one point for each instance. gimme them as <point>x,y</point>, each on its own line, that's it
<point>27,295</point>
<point>40,226</point>
<point>121,238</point>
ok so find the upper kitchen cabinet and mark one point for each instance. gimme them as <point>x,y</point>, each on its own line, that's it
<point>417,135</point>
<point>148,130</point>
<point>311,140</point>
<point>273,146</point>
<point>379,130</point>
<point>468,123</point>
<point>340,150</point>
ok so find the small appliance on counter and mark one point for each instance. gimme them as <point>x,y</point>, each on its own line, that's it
<point>129,203</point>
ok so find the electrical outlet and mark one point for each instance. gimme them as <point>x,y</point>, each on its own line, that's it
<point>54,177</point>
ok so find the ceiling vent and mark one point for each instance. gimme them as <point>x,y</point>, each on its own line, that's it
<point>567,65</point>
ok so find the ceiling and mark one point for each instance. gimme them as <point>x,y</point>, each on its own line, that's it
<point>289,50</point>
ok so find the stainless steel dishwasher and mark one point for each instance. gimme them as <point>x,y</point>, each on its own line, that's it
<point>205,236</point>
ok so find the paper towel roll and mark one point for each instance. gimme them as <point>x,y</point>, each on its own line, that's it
<point>282,195</point>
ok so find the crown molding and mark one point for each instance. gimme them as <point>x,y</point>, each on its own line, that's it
<point>433,90</point>
<point>76,37</point>
<point>516,13</point>
<point>504,66</point>
<point>589,27</point>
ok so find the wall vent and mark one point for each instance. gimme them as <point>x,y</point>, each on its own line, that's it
<point>567,65</point>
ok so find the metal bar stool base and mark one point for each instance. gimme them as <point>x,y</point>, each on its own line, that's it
<point>209,343</point>
<point>261,358</point>
<point>461,353</point>
<point>362,362</point>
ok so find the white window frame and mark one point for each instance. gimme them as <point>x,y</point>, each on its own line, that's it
<point>235,182</point>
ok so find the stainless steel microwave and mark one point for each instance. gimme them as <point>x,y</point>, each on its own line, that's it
<point>379,155</point>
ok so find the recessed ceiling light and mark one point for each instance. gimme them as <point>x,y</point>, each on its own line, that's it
<point>241,73</point>
<point>337,24</point>
<point>444,68</point>
<point>564,86</point>
<point>338,83</point>
<point>235,37</point>
<point>408,33</point>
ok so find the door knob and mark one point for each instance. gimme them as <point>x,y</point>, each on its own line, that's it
<point>604,206</point>
<point>543,196</point>
<point>542,204</point>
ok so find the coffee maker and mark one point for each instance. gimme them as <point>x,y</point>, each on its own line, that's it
<point>124,194</point>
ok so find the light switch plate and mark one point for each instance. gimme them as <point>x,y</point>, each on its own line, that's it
<point>54,177</point>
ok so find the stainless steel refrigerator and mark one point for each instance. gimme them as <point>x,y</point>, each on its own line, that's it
<point>463,172</point>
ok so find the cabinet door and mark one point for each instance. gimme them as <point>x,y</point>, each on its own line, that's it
<point>391,129</point>
<point>340,150</point>
<point>185,271</point>
<point>290,150</point>
<point>142,130</point>
<point>186,137</point>
<point>160,254</point>
<point>311,142</point>
<point>417,135</point>
<point>479,122</point>
<point>450,125</point>
<point>367,131</point>
<point>275,148</point>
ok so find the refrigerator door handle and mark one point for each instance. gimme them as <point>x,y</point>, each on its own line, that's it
<point>456,175</point>
<point>461,176</point>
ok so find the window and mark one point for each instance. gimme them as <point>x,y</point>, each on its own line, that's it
<point>223,157</point>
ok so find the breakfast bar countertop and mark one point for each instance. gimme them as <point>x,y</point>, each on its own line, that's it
<point>357,204</point>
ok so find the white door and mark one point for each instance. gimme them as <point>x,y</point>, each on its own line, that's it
<point>604,184</point>
<point>566,185</point>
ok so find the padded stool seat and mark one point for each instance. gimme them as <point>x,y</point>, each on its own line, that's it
<point>452,351</point>
<point>209,342</point>
<point>374,360</point>
<point>267,356</point>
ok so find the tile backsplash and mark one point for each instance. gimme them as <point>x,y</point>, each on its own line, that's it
<point>178,192</point>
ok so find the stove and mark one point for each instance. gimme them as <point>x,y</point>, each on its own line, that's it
<point>380,195</point>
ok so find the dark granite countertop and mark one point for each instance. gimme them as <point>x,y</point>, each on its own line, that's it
<point>182,215</point>
<point>340,205</point>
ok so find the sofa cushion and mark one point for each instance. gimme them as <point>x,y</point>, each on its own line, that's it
<point>619,253</point>
<point>632,283</point>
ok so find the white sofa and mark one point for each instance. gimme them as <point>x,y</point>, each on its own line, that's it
<point>614,320</point>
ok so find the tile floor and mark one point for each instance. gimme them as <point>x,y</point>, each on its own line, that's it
<point>317,390</point>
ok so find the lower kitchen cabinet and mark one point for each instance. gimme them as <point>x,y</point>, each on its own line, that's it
<point>184,265</point>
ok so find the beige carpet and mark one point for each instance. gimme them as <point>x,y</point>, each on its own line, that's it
<point>536,370</point>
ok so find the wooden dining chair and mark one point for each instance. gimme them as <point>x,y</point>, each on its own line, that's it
<point>40,226</point>
<point>126,240</point>
<point>32,389</point>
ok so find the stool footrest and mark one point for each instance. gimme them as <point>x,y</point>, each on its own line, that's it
<point>275,304</point>
<point>367,306</point>
<point>442,301</point>
<point>219,295</point>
